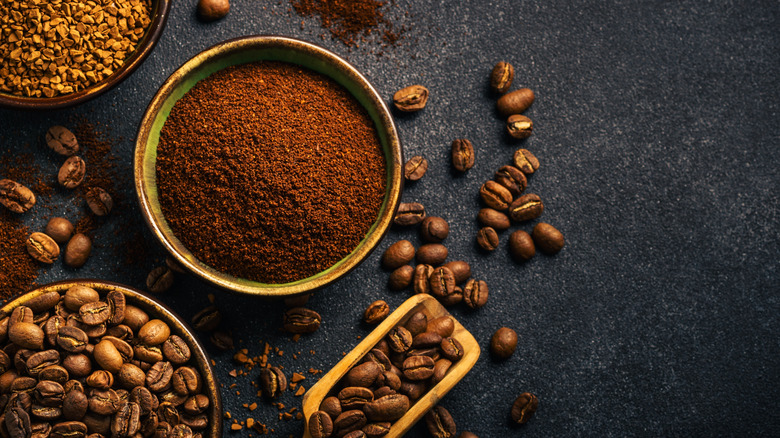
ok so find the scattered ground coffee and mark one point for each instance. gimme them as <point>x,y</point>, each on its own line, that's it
<point>350,20</point>
<point>269,171</point>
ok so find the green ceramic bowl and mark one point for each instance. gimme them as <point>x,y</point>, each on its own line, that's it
<point>240,51</point>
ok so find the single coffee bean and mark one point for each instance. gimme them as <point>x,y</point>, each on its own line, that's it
<point>399,339</point>
<point>416,323</point>
<point>62,141</point>
<point>72,172</point>
<point>432,254</point>
<point>74,405</point>
<point>221,339</point>
<point>17,421</point>
<point>107,356</point>
<point>158,378</point>
<point>135,318</point>
<point>440,368</point>
<point>116,304</point>
<point>388,408</point>
<point>272,382</point>
<point>503,343</point>
<point>519,126</point>
<point>451,349</point>
<point>131,376</point>
<point>154,332</point>
<point>148,354</point>
<point>186,381</point>
<point>547,238</point>
<point>456,297</point>
<point>15,196</point>
<point>409,213</point>
<point>181,431</point>
<point>363,375</point>
<point>210,10</point>
<point>320,425</point>
<point>376,312</point>
<point>59,229</point>
<point>77,251</point>
<point>501,77</point>
<point>434,229</point>
<point>40,360</point>
<point>443,325</point>
<point>462,152</point>
<point>521,246</point>
<point>377,430</point>
<point>99,201</point>
<point>100,379</point>
<point>55,373</point>
<point>460,270</point>
<point>42,248</point>
<point>524,160</point>
<point>440,423</point>
<point>410,99</point>
<point>524,408</point>
<point>495,196</point>
<point>426,339</point>
<point>348,421</point>
<point>401,278</point>
<point>104,401</point>
<point>197,404</point>
<point>72,339</point>
<point>176,350</point>
<point>331,406</point>
<point>415,168</point>
<point>94,313</point>
<point>390,380</point>
<point>515,102</point>
<point>378,357</point>
<point>418,367</point>
<point>413,389</point>
<point>167,412</point>
<point>487,239</point>
<point>512,178</point>
<point>442,282</point>
<point>78,365</point>
<point>475,293</point>
<point>526,208</point>
<point>355,434</point>
<point>354,397</point>
<point>398,254</point>
<point>26,335</point>
<point>207,319</point>
<point>422,274</point>
<point>78,295</point>
<point>159,280</point>
<point>301,320</point>
<point>126,422</point>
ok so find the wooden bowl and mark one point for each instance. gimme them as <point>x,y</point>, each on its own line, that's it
<point>240,51</point>
<point>432,309</point>
<point>159,16</point>
<point>155,309</point>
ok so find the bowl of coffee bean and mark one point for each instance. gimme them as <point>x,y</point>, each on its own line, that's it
<point>397,374</point>
<point>268,166</point>
<point>60,54</point>
<point>87,357</point>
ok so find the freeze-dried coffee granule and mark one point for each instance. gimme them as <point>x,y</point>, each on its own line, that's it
<point>270,171</point>
<point>18,270</point>
<point>350,20</point>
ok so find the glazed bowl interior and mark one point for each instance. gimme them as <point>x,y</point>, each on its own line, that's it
<point>159,16</point>
<point>251,49</point>
<point>155,309</point>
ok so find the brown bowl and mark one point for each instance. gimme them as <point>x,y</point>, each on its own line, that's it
<point>159,14</point>
<point>157,310</point>
<point>433,309</point>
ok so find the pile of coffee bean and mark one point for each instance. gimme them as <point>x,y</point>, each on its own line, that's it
<point>398,371</point>
<point>85,362</point>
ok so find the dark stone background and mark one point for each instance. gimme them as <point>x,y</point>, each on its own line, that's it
<point>657,127</point>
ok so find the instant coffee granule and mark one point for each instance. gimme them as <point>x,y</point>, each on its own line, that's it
<point>270,172</point>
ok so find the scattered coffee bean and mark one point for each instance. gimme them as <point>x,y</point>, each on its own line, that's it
<point>434,229</point>
<point>222,340</point>
<point>524,160</point>
<point>43,248</point>
<point>320,425</point>
<point>301,320</point>
<point>462,154</point>
<point>99,201</point>
<point>512,178</point>
<point>547,238</point>
<point>521,246</point>
<point>495,195</point>
<point>515,102</point>
<point>475,293</point>
<point>415,168</point>
<point>524,408</point>
<point>526,208</point>
<point>72,172</point>
<point>210,10</point>
<point>401,278</point>
<point>376,312</point>
<point>432,254</point>
<point>398,254</point>
<point>410,99</point>
<point>59,229</point>
<point>493,218</point>
<point>409,213</point>
<point>440,423</point>
<point>207,319</point>
<point>77,250</point>
<point>159,280</point>
<point>503,343</point>
<point>487,239</point>
<point>501,77</point>
<point>460,270</point>
<point>519,126</point>
<point>442,282</point>
<point>62,141</point>
<point>15,196</point>
<point>272,382</point>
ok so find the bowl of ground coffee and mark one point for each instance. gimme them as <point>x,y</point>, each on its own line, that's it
<point>59,54</point>
<point>84,357</point>
<point>268,165</point>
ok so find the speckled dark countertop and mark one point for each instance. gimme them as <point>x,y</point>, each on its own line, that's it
<point>657,127</point>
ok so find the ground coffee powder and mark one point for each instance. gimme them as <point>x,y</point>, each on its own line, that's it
<point>269,171</point>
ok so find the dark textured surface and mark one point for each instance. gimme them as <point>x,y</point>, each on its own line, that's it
<point>657,127</point>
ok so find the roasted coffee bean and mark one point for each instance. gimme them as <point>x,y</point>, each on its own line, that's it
<point>26,335</point>
<point>301,320</point>
<point>21,314</point>
<point>77,250</point>
<point>399,339</point>
<point>120,331</point>
<point>495,219</point>
<point>197,404</point>
<point>72,339</point>
<point>68,429</point>
<point>519,126</point>
<point>411,99</point>
<point>503,343</point>
<point>272,382</point>
<point>401,278</point>
<point>97,423</point>
<point>452,299</point>
<point>78,365</point>
<point>59,229</point>
<point>186,381</point>
<point>460,270</point>
<point>167,412</point>
<point>331,406</point>
<point>386,390</point>
<point>72,172</point>
<point>398,254</point>
<point>154,332</point>
<point>512,178</point>
<point>495,196</point>
<point>524,408</point>
<point>378,357</point>
<point>415,168</point>
<point>521,246</point>
<point>40,360</point>
<point>207,319</point>
<point>181,431</point>
<point>147,353</point>
<point>526,208</point>
<point>100,379</point>
<point>443,325</point>
<point>176,350</point>
<point>74,405</point>
<point>440,368</point>
<point>376,312</point>
<point>62,141</point>
<point>426,340</point>
<point>23,384</point>
<point>354,397</point>
<point>390,380</point>
<point>432,254</point>
<point>501,77</point>
<point>349,421</point>
<point>462,154</point>
<point>413,389</point>
<point>355,434</point>
<point>442,282</point>
<point>158,378</point>
<point>124,348</point>
<point>422,273</point>
<point>94,313</point>
<point>515,102</point>
<point>418,367</point>
<point>525,161</point>
<point>45,413</point>
<point>135,318</point>
<point>15,196</point>
<point>54,373</point>
<point>487,239</point>
<point>17,421</point>
<point>377,430</point>
<point>440,423</point>
<point>388,408</point>
<point>434,229</point>
<point>416,324</point>
<point>145,400</point>
<point>221,339</point>
<point>73,385</point>
<point>159,280</point>
<point>451,349</point>
<point>409,213</point>
<point>77,296</point>
<point>99,201</point>
<point>107,356</point>
<point>43,248</point>
<point>320,425</point>
<point>363,375</point>
<point>210,10</point>
<point>49,393</point>
<point>475,293</point>
<point>116,304</point>
<point>126,422</point>
<point>104,401</point>
<point>547,238</point>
